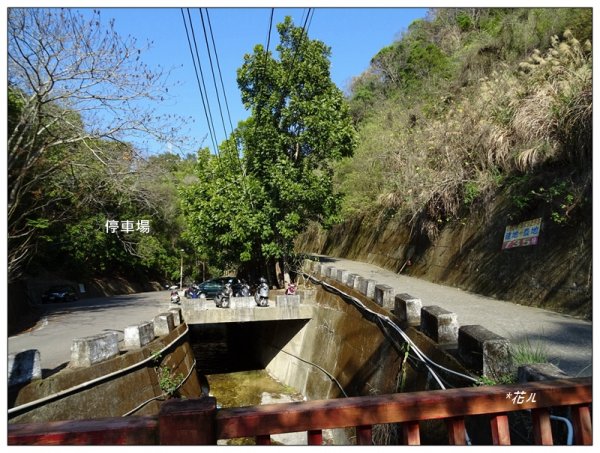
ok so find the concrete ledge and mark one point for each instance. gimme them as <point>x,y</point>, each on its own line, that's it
<point>24,367</point>
<point>242,302</point>
<point>540,372</point>
<point>323,268</point>
<point>484,351</point>
<point>351,279</point>
<point>270,313</point>
<point>98,348</point>
<point>331,272</point>
<point>358,282</point>
<point>342,275</point>
<point>439,324</point>
<point>138,336</point>
<point>163,324</point>
<point>287,301</point>
<point>177,319</point>
<point>384,296</point>
<point>368,287</point>
<point>307,296</point>
<point>307,266</point>
<point>408,309</point>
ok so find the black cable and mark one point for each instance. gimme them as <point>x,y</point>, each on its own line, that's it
<point>219,68</point>
<point>198,77</point>
<point>211,124</point>
<point>212,70</point>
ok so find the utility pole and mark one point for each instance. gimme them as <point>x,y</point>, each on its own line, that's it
<point>181,272</point>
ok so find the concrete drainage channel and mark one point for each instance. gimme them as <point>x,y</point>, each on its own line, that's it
<point>355,338</point>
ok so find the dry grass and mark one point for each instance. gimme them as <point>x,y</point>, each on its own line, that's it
<point>427,156</point>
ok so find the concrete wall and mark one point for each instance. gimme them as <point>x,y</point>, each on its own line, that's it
<point>113,397</point>
<point>555,274</point>
<point>340,340</point>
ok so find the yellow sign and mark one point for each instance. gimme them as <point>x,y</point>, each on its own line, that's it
<point>523,234</point>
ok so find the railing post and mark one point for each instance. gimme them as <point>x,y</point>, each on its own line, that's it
<point>364,435</point>
<point>456,431</point>
<point>542,430</point>
<point>315,437</point>
<point>263,439</point>
<point>500,430</point>
<point>188,422</point>
<point>411,434</point>
<point>582,424</point>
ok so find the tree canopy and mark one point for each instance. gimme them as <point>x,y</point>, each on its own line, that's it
<point>77,92</point>
<point>251,205</point>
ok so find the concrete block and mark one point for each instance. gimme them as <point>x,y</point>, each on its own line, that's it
<point>242,302</point>
<point>307,296</point>
<point>95,349</point>
<point>332,272</point>
<point>24,367</point>
<point>439,324</point>
<point>340,275</point>
<point>343,278</point>
<point>307,266</point>
<point>163,324</point>
<point>287,301</point>
<point>323,268</point>
<point>368,287</point>
<point>384,296</point>
<point>540,372</point>
<point>138,336</point>
<point>483,351</point>
<point>351,279</point>
<point>177,320</point>
<point>408,309</point>
<point>358,281</point>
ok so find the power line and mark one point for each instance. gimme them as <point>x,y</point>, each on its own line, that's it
<point>207,106</point>
<point>219,69</point>
<point>212,70</point>
<point>197,76</point>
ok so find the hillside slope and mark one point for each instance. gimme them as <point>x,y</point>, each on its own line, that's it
<point>476,119</point>
<point>555,274</point>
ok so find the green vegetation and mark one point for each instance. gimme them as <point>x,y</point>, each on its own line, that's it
<point>69,170</point>
<point>168,382</point>
<point>527,353</point>
<point>466,102</point>
<point>469,103</point>
<point>247,210</point>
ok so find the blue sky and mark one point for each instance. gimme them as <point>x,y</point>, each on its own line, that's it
<point>355,35</point>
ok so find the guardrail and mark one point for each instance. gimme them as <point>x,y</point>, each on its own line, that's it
<point>197,422</point>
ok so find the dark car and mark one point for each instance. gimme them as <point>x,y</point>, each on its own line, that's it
<point>210,288</point>
<point>59,294</point>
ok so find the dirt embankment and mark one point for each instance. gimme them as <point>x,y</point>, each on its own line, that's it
<point>555,274</point>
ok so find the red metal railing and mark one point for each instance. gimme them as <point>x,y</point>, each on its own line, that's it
<point>191,422</point>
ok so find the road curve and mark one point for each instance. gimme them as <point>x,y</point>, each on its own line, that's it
<point>54,333</point>
<point>566,340</point>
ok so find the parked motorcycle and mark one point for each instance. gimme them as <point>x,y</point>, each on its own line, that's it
<point>223,297</point>
<point>291,289</point>
<point>243,290</point>
<point>175,297</point>
<point>261,296</point>
<point>192,293</point>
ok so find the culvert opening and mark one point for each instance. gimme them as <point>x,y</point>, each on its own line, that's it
<point>234,347</point>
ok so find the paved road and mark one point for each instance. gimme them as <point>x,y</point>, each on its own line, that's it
<point>566,340</point>
<point>61,323</point>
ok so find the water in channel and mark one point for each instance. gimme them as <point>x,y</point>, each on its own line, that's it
<point>230,373</point>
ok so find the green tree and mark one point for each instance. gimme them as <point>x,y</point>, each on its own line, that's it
<point>299,126</point>
<point>73,85</point>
